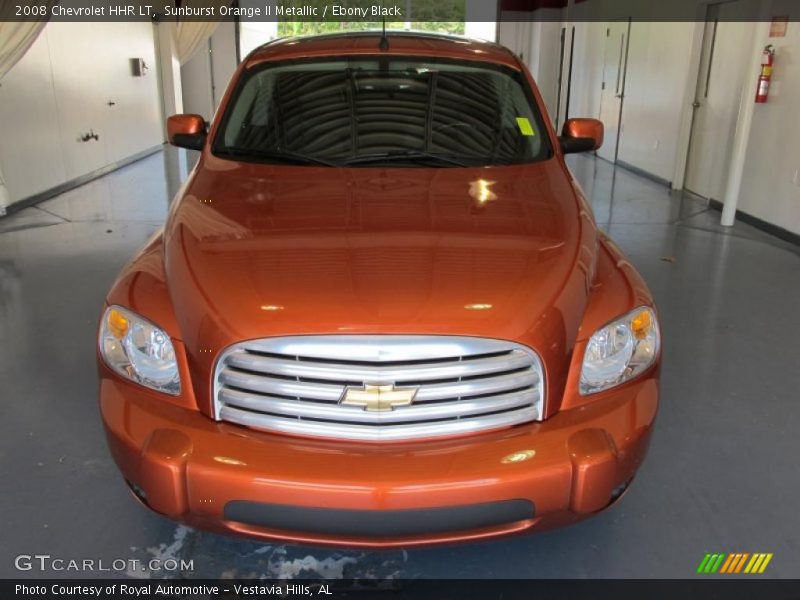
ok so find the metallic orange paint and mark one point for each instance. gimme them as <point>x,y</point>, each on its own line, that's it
<point>184,125</point>
<point>379,250</point>
<point>584,128</point>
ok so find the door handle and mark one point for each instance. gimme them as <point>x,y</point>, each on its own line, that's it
<point>111,103</point>
<point>89,136</point>
<point>695,104</point>
<point>619,63</point>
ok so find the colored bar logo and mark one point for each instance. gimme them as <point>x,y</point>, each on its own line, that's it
<point>738,562</point>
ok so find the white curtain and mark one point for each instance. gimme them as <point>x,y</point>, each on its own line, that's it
<point>5,199</point>
<point>15,39</point>
<point>191,35</point>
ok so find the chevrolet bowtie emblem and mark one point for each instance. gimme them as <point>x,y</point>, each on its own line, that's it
<point>375,398</point>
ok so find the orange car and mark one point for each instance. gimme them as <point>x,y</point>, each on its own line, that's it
<point>380,312</point>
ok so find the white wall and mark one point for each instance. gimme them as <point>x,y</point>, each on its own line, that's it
<point>771,177</point>
<point>543,56</point>
<point>61,89</point>
<point>205,77</point>
<point>31,156</point>
<point>659,85</point>
<point>587,69</point>
<point>662,72</point>
<point>515,34</point>
<point>223,58</point>
<point>169,75</point>
<point>196,84</point>
<point>658,62</point>
<point>479,19</point>
<point>538,43</point>
<point>480,30</point>
<point>253,34</point>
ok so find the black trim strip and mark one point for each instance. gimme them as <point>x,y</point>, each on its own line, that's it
<point>79,181</point>
<point>778,232</point>
<point>646,174</point>
<point>378,523</point>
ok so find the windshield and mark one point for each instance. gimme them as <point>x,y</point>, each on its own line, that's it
<point>368,111</point>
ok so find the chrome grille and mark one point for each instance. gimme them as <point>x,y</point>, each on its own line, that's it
<point>296,384</point>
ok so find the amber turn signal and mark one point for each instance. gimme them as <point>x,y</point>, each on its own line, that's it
<point>118,325</point>
<point>641,324</point>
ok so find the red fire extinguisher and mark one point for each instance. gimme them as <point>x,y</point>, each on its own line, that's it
<point>767,60</point>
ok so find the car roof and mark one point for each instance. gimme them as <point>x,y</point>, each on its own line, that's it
<point>409,43</point>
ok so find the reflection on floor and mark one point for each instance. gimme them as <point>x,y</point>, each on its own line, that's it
<point>721,473</point>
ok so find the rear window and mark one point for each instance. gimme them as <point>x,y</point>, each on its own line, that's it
<point>365,111</point>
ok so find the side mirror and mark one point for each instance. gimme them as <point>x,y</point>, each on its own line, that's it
<point>581,135</point>
<point>187,131</point>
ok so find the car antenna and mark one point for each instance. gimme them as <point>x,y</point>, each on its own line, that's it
<point>384,43</point>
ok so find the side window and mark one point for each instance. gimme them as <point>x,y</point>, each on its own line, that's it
<point>250,114</point>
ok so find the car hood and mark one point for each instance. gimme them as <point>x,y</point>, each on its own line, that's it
<point>256,250</point>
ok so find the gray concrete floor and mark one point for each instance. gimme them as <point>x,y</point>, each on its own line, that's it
<point>721,475</point>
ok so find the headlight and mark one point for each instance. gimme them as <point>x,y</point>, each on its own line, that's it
<point>139,350</point>
<point>620,351</point>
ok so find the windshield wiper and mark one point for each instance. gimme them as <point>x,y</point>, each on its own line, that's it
<point>401,155</point>
<point>279,155</point>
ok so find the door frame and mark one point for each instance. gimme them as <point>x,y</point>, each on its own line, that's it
<point>702,80</point>
<point>567,56</point>
<point>624,67</point>
<point>690,93</point>
<point>687,112</point>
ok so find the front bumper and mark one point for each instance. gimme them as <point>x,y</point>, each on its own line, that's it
<point>230,479</point>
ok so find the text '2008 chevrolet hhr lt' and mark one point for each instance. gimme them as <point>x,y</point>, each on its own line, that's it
<point>380,312</point>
